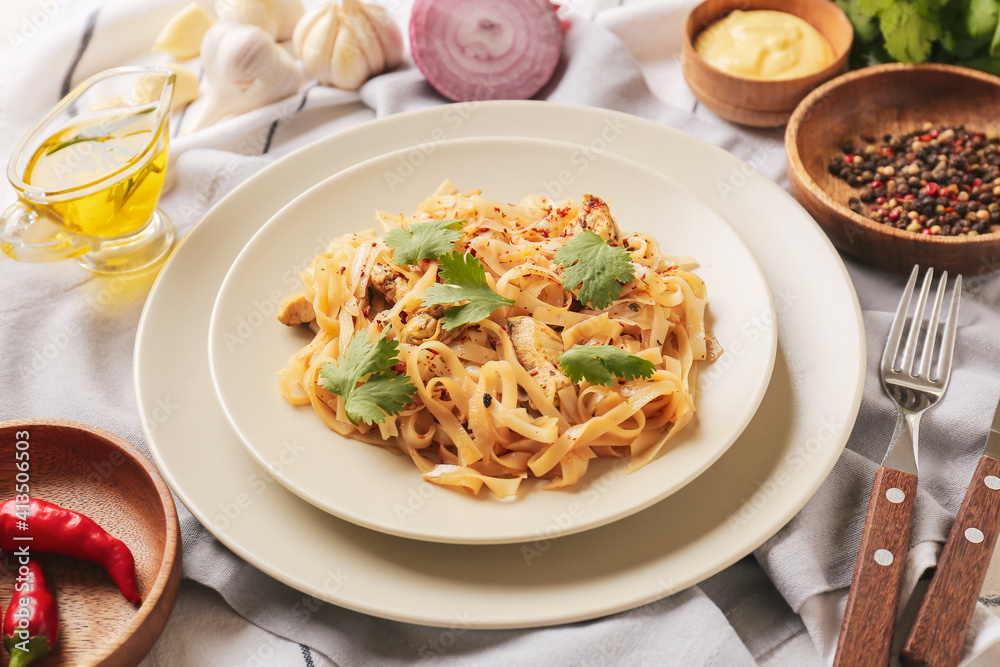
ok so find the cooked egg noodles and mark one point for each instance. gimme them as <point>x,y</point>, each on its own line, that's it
<point>492,405</point>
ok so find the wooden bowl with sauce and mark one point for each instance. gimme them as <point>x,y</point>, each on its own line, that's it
<point>888,99</point>
<point>89,470</point>
<point>760,102</point>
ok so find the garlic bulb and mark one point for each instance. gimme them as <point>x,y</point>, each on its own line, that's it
<point>244,69</point>
<point>345,43</point>
<point>276,17</point>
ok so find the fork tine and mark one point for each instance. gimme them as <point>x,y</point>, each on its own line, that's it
<point>948,342</point>
<point>906,364</point>
<point>896,332</point>
<point>932,328</point>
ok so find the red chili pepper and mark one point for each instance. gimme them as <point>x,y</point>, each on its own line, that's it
<point>57,530</point>
<point>31,626</point>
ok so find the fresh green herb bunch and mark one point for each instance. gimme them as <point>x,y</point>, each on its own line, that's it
<point>960,32</point>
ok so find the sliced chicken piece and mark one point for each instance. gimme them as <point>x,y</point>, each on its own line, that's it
<point>392,284</point>
<point>421,326</point>
<point>296,309</point>
<point>538,348</point>
<point>596,217</point>
<point>424,324</point>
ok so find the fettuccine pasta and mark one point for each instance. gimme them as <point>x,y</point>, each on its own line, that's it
<point>492,406</point>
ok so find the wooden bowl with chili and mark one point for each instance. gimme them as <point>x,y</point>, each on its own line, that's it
<point>91,471</point>
<point>918,101</point>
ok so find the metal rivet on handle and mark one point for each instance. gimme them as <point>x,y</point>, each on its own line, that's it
<point>974,535</point>
<point>883,557</point>
<point>895,495</point>
<point>992,481</point>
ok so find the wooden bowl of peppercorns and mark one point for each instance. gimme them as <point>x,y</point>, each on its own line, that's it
<point>900,165</point>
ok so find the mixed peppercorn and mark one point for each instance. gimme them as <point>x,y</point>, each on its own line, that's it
<point>934,180</point>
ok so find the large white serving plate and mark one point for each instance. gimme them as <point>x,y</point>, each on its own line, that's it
<point>372,487</point>
<point>771,471</point>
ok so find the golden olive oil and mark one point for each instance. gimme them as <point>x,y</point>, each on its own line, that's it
<point>115,161</point>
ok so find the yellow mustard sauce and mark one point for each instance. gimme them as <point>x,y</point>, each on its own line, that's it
<point>764,44</point>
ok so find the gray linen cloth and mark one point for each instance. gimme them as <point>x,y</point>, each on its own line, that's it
<point>66,341</point>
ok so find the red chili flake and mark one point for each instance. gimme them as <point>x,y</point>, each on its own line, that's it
<point>403,316</point>
<point>932,189</point>
<point>343,270</point>
<point>472,251</point>
<point>400,368</point>
<point>365,312</point>
<point>375,243</point>
<point>496,208</point>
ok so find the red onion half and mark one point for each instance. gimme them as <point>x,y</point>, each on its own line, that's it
<point>485,49</point>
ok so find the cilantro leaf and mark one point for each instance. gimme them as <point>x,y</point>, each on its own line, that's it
<point>873,7</point>
<point>424,240</point>
<point>465,280</point>
<point>995,42</point>
<point>981,21</point>
<point>382,394</point>
<point>599,364</point>
<point>598,269</point>
<point>865,28</point>
<point>361,358</point>
<point>909,33</point>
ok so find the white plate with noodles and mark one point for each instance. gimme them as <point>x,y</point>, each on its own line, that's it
<point>540,457</point>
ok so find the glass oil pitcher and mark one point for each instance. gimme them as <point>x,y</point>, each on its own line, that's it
<point>89,175</point>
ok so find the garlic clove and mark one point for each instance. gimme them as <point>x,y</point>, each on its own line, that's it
<point>390,39</point>
<point>315,43</point>
<point>185,86</point>
<point>182,35</point>
<point>244,69</point>
<point>348,67</point>
<point>276,17</point>
<point>371,47</point>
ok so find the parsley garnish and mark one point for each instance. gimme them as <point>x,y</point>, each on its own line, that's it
<point>383,393</point>
<point>465,280</point>
<point>909,33</point>
<point>598,269</point>
<point>600,364</point>
<point>424,240</point>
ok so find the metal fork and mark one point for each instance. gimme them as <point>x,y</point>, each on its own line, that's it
<point>870,617</point>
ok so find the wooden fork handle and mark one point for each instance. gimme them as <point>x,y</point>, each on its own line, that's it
<point>873,601</point>
<point>938,634</point>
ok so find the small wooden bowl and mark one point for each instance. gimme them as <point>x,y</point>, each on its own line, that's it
<point>752,101</point>
<point>90,470</point>
<point>887,99</point>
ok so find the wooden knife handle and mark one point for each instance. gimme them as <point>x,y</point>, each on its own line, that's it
<point>873,601</point>
<point>938,634</point>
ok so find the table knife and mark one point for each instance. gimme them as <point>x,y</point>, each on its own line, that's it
<point>938,634</point>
